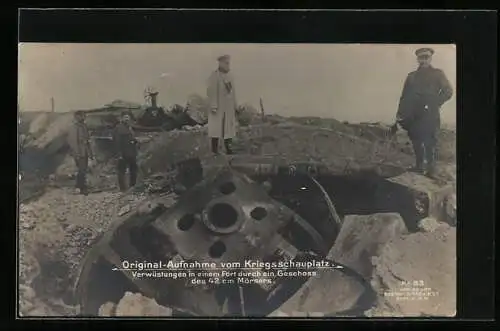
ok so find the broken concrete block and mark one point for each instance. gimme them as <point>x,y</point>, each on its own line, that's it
<point>329,292</point>
<point>332,291</point>
<point>135,304</point>
<point>415,275</point>
<point>361,237</point>
<point>107,309</point>
<point>429,224</point>
<point>414,197</point>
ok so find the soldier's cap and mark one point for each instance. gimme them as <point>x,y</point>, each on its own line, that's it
<point>79,113</point>
<point>224,57</point>
<point>424,50</point>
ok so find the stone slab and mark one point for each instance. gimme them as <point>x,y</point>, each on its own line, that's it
<point>415,197</point>
<point>332,291</point>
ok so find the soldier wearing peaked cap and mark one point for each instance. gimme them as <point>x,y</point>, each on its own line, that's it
<point>423,51</point>
<point>425,90</point>
<point>222,98</point>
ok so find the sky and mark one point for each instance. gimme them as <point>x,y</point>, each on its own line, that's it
<point>349,82</point>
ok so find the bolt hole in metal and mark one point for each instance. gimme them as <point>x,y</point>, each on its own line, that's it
<point>227,188</point>
<point>222,215</point>
<point>217,249</point>
<point>186,222</point>
<point>258,213</point>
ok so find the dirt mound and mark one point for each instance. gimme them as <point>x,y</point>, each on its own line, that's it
<point>38,124</point>
<point>340,145</point>
<point>294,142</point>
<point>54,134</point>
<point>416,274</point>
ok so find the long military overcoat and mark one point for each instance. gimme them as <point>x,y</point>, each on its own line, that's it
<point>79,141</point>
<point>221,96</point>
<point>425,91</point>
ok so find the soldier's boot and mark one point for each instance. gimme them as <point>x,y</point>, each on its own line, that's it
<point>431,171</point>
<point>228,145</point>
<point>85,190</point>
<point>81,182</point>
<point>215,145</point>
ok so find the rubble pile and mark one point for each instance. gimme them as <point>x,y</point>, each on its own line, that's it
<point>55,233</point>
<point>134,304</point>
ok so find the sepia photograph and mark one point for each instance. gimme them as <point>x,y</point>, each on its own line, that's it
<point>241,180</point>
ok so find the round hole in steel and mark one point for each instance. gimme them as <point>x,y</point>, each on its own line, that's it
<point>258,213</point>
<point>222,215</point>
<point>186,222</point>
<point>227,188</point>
<point>217,249</point>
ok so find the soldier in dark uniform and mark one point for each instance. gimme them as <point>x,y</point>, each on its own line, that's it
<point>425,91</point>
<point>126,148</point>
<point>81,150</point>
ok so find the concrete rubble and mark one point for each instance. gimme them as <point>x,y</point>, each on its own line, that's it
<point>380,248</point>
<point>417,275</point>
<point>134,304</point>
<point>429,224</point>
<point>360,238</point>
<point>415,197</point>
<point>59,228</point>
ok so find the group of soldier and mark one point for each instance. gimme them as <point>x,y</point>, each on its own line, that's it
<point>425,90</point>
<point>125,148</point>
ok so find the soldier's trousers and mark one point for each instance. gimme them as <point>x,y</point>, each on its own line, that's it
<point>82,164</point>
<point>424,148</point>
<point>125,163</point>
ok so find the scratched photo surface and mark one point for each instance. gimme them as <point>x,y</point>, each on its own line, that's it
<point>249,180</point>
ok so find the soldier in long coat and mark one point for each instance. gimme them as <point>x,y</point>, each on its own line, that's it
<point>81,150</point>
<point>222,98</point>
<point>425,91</point>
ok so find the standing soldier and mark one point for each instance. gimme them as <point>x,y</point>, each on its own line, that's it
<point>126,149</point>
<point>79,143</point>
<point>425,91</point>
<point>222,99</point>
